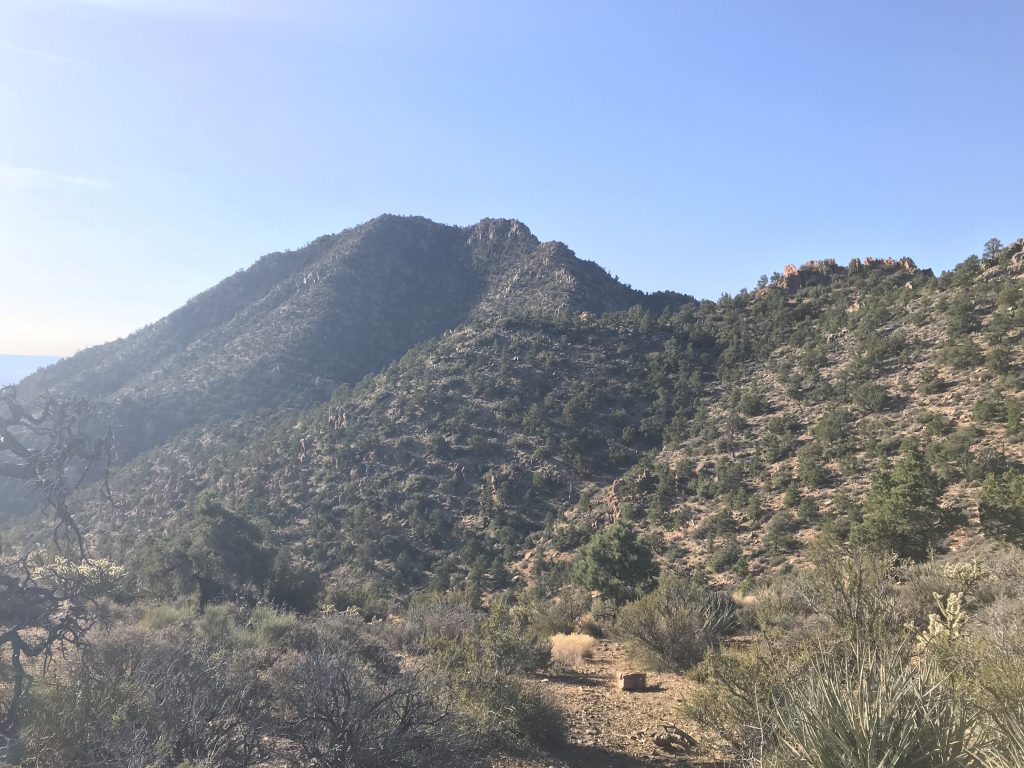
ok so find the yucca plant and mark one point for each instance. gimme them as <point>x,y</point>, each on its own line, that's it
<point>873,709</point>
<point>1005,746</point>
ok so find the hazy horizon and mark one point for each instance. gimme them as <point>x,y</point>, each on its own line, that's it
<point>14,368</point>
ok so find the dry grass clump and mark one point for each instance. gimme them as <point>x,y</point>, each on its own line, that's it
<point>570,650</point>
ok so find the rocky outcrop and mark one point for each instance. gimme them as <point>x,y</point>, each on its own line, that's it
<point>1015,252</point>
<point>822,272</point>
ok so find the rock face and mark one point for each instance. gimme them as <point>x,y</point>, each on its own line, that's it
<point>1016,253</point>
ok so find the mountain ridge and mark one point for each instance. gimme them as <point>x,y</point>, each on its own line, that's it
<point>289,329</point>
<point>733,433</point>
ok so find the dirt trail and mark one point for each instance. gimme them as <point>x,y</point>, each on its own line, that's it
<point>613,728</point>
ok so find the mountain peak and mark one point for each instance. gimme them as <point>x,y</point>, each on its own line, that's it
<point>491,230</point>
<point>292,327</point>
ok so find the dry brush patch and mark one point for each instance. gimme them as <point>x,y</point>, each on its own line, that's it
<point>570,650</point>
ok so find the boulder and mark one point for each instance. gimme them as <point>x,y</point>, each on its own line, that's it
<point>632,681</point>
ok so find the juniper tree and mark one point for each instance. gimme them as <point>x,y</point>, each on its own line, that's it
<point>618,563</point>
<point>903,511</point>
<point>1001,507</point>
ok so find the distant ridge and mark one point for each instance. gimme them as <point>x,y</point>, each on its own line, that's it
<point>14,368</point>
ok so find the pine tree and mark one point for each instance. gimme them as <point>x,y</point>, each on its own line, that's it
<point>903,511</point>
<point>1001,507</point>
<point>618,563</point>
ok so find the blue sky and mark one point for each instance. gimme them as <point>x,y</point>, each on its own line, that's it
<point>149,148</point>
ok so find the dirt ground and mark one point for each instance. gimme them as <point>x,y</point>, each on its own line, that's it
<point>613,728</point>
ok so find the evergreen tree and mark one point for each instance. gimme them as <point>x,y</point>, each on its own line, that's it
<point>903,513</point>
<point>992,248</point>
<point>219,554</point>
<point>1001,507</point>
<point>617,563</point>
<point>227,549</point>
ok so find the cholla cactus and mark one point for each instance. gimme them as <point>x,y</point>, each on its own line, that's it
<point>946,625</point>
<point>88,578</point>
<point>965,576</point>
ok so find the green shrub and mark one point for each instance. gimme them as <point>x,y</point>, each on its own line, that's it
<point>990,407</point>
<point>871,397</point>
<point>1014,420</point>
<point>737,700</point>
<point>673,626</point>
<point>506,712</point>
<point>270,626</point>
<point>778,533</point>
<point>163,615</point>
<point>719,524</point>
<point>726,554</point>
<point>832,431</point>
<point>751,403</point>
<point>807,511</point>
<point>560,614</point>
<point>962,353</point>
<point>437,618</point>
<point>482,666</point>
<point>347,591</point>
<point>931,383</point>
<point>791,498</point>
<point>219,625</point>
<point>811,466</point>
<point>852,592</point>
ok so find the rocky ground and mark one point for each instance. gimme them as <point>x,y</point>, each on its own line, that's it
<point>617,729</point>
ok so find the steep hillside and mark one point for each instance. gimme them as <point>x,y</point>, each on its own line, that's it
<point>732,432</point>
<point>491,429</point>
<point>818,386</point>
<point>291,328</point>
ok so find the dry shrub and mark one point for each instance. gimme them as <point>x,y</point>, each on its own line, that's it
<point>570,650</point>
